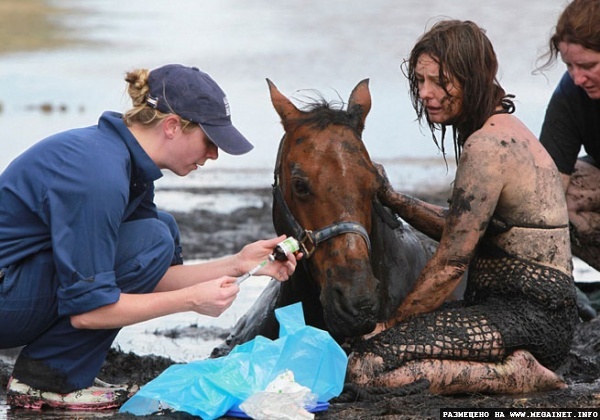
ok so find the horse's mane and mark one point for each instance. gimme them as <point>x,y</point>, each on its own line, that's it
<point>321,113</point>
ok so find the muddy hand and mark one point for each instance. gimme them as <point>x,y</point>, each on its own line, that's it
<point>385,188</point>
<point>379,328</point>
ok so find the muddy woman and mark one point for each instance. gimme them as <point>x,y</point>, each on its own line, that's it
<point>506,227</point>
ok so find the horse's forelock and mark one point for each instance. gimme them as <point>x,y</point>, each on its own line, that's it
<point>322,113</point>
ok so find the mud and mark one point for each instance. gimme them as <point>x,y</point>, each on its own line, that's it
<point>581,371</point>
<point>207,235</point>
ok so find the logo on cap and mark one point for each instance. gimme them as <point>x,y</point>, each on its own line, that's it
<point>226,103</point>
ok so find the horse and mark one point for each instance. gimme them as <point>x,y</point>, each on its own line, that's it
<point>360,260</point>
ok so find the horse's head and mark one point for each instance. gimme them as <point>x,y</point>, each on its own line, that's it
<point>324,187</point>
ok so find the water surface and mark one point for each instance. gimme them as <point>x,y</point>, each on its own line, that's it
<point>301,46</point>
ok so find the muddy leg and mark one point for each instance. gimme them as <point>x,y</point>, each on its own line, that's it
<point>520,373</point>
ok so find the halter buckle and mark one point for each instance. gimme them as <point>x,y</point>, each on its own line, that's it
<point>305,238</point>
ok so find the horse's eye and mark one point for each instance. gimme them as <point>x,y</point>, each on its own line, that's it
<point>300,186</point>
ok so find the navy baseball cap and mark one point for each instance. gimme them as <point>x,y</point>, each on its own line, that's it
<point>195,96</point>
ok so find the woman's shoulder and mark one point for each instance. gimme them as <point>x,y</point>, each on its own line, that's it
<point>501,131</point>
<point>492,137</point>
<point>504,148</point>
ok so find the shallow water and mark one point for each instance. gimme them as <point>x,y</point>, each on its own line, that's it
<point>327,46</point>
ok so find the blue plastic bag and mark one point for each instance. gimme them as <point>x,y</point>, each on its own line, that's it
<point>209,388</point>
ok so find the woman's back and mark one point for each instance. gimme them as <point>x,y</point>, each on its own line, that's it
<point>531,201</point>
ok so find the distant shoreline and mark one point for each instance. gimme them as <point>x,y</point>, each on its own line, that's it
<point>34,25</point>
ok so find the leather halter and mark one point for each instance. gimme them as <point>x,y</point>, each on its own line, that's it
<point>310,239</point>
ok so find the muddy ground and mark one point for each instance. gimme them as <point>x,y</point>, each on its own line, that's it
<point>207,235</point>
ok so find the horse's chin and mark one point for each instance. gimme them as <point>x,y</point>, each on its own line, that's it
<point>345,329</point>
<point>362,331</point>
<point>351,309</point>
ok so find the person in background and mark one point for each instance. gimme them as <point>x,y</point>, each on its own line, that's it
<point>84,250</point>
<point>506,223</point>
<point>572,122</point>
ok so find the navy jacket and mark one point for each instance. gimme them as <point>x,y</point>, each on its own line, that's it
<point>70,193</point>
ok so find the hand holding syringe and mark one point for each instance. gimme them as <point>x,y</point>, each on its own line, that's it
<point>283,248</point>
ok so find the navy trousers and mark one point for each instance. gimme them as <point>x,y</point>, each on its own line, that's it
<point>56,356</point>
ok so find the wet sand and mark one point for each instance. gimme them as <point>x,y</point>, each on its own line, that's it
<point>33,25</point>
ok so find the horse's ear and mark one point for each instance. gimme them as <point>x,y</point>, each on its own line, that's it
<point>284,107</point>
<point>359,103</point>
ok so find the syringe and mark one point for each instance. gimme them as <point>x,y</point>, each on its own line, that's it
<point>279,253</point>
<point>252,272</point>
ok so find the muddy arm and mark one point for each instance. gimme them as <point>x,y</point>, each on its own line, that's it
<point>426,218</point>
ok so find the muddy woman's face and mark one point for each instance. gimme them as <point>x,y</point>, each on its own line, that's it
<point>443,103</point>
